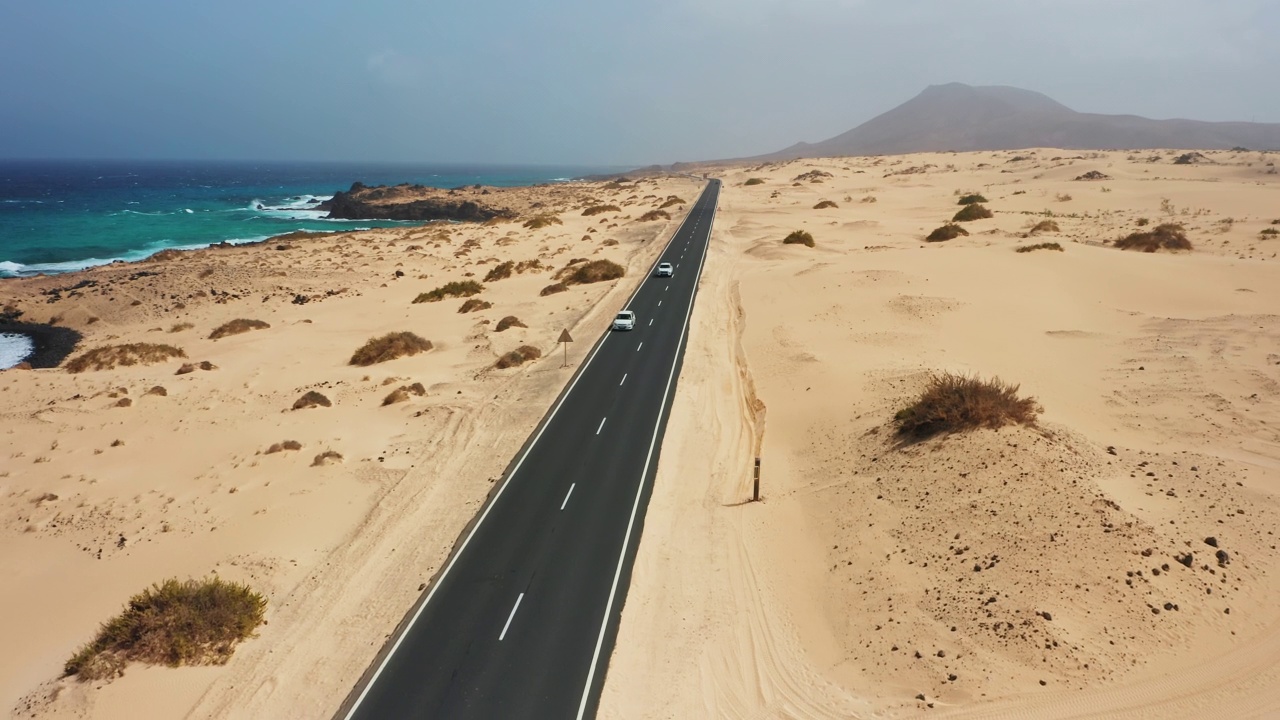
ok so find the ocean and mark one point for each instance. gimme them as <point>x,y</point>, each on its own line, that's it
<point>62,216</point>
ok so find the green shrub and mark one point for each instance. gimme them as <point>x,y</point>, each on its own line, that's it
<point>1040,246</point>
<point>799,237</point>
<point>501,271</point>
<point>971,199</point>
<point>389,347</point>
<point>474,304</point>
<point>192,622</point>
<point>235,327</point>
<point>1166,236</point>
<point>538,222</point>
<point>592,272</point>
<point>957,403</point>
<point>110,356</point>
<point>465,288</point>
<point>975,211</point>
<point>950,231</point>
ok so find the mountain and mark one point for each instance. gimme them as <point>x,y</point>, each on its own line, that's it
<point>961,117</point>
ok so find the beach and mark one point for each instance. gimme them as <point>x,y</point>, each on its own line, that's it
<point>115,479</point>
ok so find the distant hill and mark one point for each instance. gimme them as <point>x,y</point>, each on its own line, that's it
<point>961,117</point>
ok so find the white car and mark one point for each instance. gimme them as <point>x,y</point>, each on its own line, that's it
<point>665,270</point>
<point>625,320</point>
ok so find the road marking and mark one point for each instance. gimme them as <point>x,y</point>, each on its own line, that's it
<point>626,540</point>
<point>668,287</point>
<point>659,303</point>
<point>512,615</point>
<point>566,495</point>
<point>650,322</point>
<point>604,418</point>
<point>624,375</point>
<point>639,346</point>
<point>453,559</point>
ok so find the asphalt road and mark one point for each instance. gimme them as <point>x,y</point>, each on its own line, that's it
<point>523,619</point>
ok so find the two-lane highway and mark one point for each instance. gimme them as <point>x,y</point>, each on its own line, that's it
<point>521,622</point>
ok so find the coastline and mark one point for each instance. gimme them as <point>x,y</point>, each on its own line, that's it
<point>50,344</point>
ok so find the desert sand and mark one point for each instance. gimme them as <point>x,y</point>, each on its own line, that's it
<point>112,480</point>
<point>1117,560</point>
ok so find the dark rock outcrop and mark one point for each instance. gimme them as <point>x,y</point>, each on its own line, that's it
<point>383,203</point>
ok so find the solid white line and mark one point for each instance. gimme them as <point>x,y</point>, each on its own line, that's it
<point>617,575</point>
<point>453,560</point>
<point>601,425</point>
<point>624,375</point>
<point>566,495</point>
<point>639,346</point>
<point>512,615</point>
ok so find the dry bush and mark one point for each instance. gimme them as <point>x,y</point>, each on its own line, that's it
<point>110,356</point>
<point>654,215</point>
<point>501,271</point>
<point>518,357</point>
<point>799,237</point>
<point>824,205</point>
<point>1166,236</point>
<point>1040,246</point>
<point>157,390</point>
<point>328,457</point>
<point>538,222</point>
<point>868,199</point>
<point>1268,232</point>
<point>475,304</point>
<point>192,367</point>
<point>597,209</point>
<point>950,231</point>
<point>1093,175</point>
<point>958,403</point>
<point>671,200</point>
<point>591,272</point>
<point>1142,222</point>
<point>465,288</point>
<point>235,327</point>
<point>526,265</point>
<point>389,347</point>
<point>311,399</point>
<point>552,289</point>
<point>754,181</point>
<point>192,622</point>
<point>971,199</point>
<point>179,327</point>
<point>509,321</point>
<point>1044,226</point>
<point>1062,197</point>
<point>282,446</point>
<point>403,392</point>
<point>976,211</point>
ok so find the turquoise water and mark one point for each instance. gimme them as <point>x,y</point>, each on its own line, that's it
<point>63,216</point>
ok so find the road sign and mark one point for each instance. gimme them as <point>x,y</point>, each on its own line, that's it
<point>566,339</point>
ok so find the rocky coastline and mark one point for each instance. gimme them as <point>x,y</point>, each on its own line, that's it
<point>408,202</point>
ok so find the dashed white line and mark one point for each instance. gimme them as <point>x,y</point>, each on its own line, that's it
<point>639,346</point>
<point>602,423</point>
<point>509,617</point>
<point>566,495</point>
<point>624,375</point>
<point>650,322</point>
<point>666,288</point>
<point>659,303</point>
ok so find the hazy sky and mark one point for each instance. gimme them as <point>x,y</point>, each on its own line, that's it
<point>587,81</point>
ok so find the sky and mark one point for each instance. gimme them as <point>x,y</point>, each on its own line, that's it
<point>592,82</point>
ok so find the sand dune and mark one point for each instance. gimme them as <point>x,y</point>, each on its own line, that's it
<point>1068,570</point>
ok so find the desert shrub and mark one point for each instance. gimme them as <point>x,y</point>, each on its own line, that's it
<point>1269,232</point>
<point>1045,226</point>
<point>235,327</point>
<point>671,200</point>
<point>1062,197</point>
<point>950,231</point>
<point>868,199</point>
<point>538,222</point>
<point>501,271</point>
<point>179,327</point>
<point>654,215</point>
<point>282,446</point>
<point>753,181</point>
<point>328,457</point>
<point>1142,222</point>
<point>799,237</point>
<point>957,403</point>
<point>110,356</point>
<point>526,265</point>
<point>518,357</point>
<point>1093,175</point>
<point>389,347</point>
<point>593,272</point>
<point>311,399</point>
<point>192,622</point>
<point>552,289</point>
<point>158,391</point>
<point>597,209</point>
<point>475,304</point>
<point>509,321</point>
<point>1166,236</point>
<point>464,288</point>
<point>824,205</point>
<point>976,211</point>
<point>1040,246</point>
<point>971,199</point>
<point>403,392</point>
